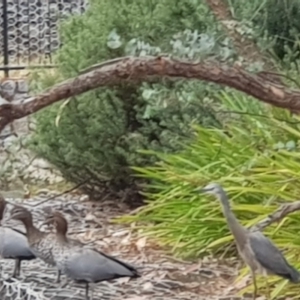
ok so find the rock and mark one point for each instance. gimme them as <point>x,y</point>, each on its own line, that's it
<point>19,98</point>
<point>84,198</point>
<point>11,143</point>
<point>40,164</point>
<point>15,194</point>
<point>3,101</point>
<point>55,179</point>
<point>8,88</point>
<point>22,86</point>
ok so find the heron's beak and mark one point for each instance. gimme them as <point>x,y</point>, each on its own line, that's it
<point>202,190</point>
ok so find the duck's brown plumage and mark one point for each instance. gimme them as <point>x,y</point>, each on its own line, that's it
<point>84,264</point>
<point>40,243</point>
<point>13,243</point>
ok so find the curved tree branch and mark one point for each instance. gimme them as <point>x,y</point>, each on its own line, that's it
<point>149,68</point>
<point>278,215</point>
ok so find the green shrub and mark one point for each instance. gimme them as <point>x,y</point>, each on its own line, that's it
<point>98,133</point>
<point>255,157</point>
<point>281,21</point>
<point>274,23</point>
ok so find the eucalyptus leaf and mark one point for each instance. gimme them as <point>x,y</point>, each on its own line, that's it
<point>290,145</point>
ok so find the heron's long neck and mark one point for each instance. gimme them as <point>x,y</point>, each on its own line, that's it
<point>237,230</point>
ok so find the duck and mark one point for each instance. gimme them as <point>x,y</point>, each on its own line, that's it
<point>39,242</point>
<point>82,263</point>
<point>13,243</point>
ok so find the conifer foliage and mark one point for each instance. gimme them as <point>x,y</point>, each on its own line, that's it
<point>96,136</point>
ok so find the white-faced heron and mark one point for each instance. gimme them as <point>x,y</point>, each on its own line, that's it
<point>258,252</point>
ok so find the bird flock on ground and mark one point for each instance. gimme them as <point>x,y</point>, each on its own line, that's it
<point>77,261</point>
<point>84,264</point>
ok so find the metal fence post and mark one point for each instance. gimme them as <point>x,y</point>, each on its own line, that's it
<point>5,38</point>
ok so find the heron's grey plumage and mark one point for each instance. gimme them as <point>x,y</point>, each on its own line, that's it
<point>258,252</point>
<point>271,257</point>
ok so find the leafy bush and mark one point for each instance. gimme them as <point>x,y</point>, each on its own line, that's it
<point>96,136</point>
<point>274,21</point>
<point>281,20</point>
<point>255,157</point>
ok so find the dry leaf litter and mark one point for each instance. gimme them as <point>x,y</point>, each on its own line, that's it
<point>163,277</point>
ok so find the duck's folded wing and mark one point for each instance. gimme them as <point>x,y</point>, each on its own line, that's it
<point>92,266</point>
<point>14,245</point>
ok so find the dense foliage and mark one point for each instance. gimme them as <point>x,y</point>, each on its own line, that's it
<point>107,126</point>
<point>255,157</point>
<point>251,149</point>
<point>275,24</point>
<point>281,20</point>
<point>96,135</point>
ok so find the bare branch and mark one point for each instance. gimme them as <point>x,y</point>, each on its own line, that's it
<point>278,215</point>
<point>149,68</point>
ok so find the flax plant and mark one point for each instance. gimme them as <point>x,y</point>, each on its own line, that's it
<point>255,157</point>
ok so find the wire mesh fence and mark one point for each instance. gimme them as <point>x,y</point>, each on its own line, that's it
<point>29,31</point>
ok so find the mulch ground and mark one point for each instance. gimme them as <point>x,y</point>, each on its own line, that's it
<point>163,277</point>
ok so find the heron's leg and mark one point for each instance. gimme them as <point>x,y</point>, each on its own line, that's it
<point>254,285</point>
<point>267,288</point>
